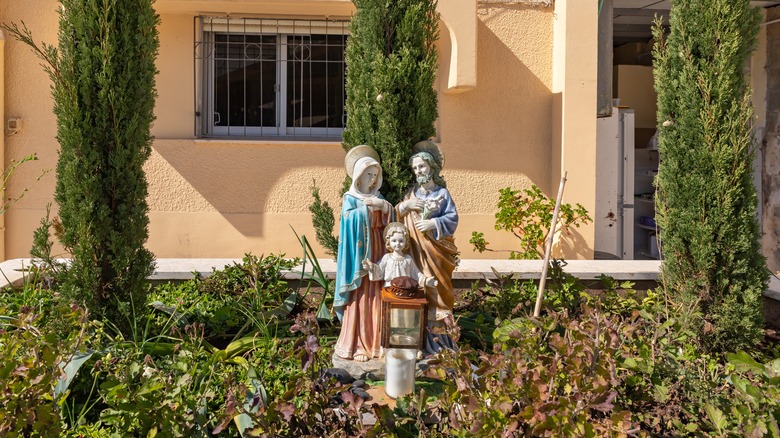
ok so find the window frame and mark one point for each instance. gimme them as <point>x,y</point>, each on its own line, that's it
<point>206,29</point>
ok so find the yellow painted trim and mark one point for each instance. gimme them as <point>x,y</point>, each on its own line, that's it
<point>574,85</point>
<point>460,22</point>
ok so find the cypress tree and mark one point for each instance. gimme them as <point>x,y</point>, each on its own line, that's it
<point>391,103</point>
<point>705,199</point>
<point>103,75</point>
<point>391,65</point>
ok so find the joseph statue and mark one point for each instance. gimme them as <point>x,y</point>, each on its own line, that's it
<point>429,213</point>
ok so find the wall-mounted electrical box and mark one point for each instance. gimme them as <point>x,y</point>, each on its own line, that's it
<point>13,125</point>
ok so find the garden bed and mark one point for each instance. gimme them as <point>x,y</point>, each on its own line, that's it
<point>232,345</point>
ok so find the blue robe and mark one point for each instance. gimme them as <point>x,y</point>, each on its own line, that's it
<point>354,246</point>
<point>445,216</point>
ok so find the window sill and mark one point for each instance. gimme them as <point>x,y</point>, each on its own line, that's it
<point>275,141</point>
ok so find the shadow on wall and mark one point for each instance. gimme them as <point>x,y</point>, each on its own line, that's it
<point>573,244</point>
<point>503,126</point>
<point>242,181</point>
<point>508,115</point>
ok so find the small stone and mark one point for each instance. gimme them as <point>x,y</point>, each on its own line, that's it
<point>360,393</point>
<point>369,376</point>
<point>357,369</point>
<point>339,374</point>
<point>335,401</point>
<point>359,383</point>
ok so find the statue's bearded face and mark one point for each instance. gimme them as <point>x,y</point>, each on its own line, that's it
<point>421,169</point>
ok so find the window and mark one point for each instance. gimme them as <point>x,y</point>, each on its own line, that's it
<point>271,78</point>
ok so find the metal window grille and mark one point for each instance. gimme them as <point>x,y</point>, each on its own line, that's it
<point>267,77</point>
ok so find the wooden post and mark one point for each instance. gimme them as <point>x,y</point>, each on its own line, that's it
<point>548,249</point>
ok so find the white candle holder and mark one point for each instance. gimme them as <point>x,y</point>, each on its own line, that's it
<point>400,367</point>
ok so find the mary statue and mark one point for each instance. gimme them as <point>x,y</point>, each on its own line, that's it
<point>364,214</point>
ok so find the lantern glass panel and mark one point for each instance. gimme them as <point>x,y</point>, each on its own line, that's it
<point>405,326</point>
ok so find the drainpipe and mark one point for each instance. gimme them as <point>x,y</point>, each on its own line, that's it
<point>2,139</point>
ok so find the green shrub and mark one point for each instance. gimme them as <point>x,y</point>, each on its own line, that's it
<point>185,304</point>
<point>502,299</point>
<point>619,298</point>
<point>30,358</point>
<point>260,274</point>
<point>558,377</point>
<point>171,395</point>
<point>673,389</point>
<point>228,299</point>
<point>660,383</point>
<point>30,298</point>
<point>705,198</point>
<point>309,405</point>
<point>755,408</point>
<point>527,214</point>
<point>276,365</point>
<point>177,384</point>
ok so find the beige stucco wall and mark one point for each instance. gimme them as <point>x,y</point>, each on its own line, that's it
<point>28,97</point>
<point>215,198</point>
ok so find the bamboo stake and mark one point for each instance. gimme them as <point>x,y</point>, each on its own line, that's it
<point>548,249</point>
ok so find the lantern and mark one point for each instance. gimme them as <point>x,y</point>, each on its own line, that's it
<point>404,314</point>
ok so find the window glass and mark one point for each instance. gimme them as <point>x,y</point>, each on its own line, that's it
<point>315,81</point>
<point>244,80</point>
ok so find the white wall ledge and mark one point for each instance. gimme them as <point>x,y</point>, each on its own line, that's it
<point>12,272</point>
<point>172,269</point>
